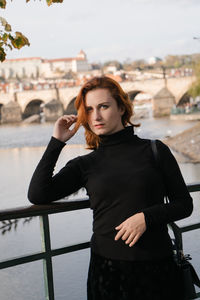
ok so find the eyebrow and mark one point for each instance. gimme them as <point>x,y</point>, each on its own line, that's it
<point>105,102</point>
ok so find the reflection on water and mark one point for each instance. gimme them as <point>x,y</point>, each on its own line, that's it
<point>35,135</point>
<point>9,225</point>
<point>17,167</point>
<point>32,135</point>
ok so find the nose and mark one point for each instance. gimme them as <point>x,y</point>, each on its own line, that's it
<point>96,115</point>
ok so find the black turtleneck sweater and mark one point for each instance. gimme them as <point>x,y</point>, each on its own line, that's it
<point>121,179</point>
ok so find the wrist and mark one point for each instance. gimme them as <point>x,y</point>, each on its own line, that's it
<point>58,139</point>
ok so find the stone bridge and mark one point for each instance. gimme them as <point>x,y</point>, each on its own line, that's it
<point>62,100</point>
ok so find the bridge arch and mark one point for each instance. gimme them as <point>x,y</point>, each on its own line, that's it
<point>184,99</point>
<point>32,108</point>
<point>133,94</point>
<point>70,109</point>
<point>140,96</point>
<point>142,103</point>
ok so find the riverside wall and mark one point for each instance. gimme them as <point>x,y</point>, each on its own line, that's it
<point>187,143</point>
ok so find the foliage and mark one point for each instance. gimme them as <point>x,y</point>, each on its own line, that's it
<point>194,90</point>
<point>178,61</point>
<point>70,75</point>
<point>17,40</point>
<point>138,64</point>
<point>115,63</point>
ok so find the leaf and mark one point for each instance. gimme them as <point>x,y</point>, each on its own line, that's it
<point>49,2</point>
<point>2,54</point>
<point>11,38</point>
<point>5,37</point>
<point>3,21</point>
<point>19,41</point>
<point>8,27</point>
<point>5,24</point>
<point>2,3</point>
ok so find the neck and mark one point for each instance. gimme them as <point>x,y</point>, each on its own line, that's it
<point>118,137</point>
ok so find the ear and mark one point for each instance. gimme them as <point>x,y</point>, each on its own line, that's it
<point>121,110</point>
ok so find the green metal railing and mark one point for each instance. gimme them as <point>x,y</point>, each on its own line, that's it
<point>47,252</point>
<point>184,111</point>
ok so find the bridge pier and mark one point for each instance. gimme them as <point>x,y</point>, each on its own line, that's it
<point>53,110</point>
<point>162,103</point>
<point>11,113</point>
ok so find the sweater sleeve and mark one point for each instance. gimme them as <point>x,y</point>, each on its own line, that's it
<point>44,186</point>
<point>180,202</point>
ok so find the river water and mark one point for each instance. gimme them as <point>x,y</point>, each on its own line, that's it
<point>21,147</point>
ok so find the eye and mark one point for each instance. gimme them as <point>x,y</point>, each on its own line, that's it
<point>88,109</point>
<point>104,106</point>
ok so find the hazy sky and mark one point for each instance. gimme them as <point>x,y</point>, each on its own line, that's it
<point>106,29</point>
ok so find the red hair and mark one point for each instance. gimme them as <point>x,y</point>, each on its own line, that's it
<point>116,92</point>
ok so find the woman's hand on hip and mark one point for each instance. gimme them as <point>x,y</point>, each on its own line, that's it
<point>131,229</point>
<point>62,126</point>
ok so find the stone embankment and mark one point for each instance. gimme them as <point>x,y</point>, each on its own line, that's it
<point>186,144</point>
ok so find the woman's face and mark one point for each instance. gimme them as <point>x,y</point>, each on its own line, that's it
<point>104,116</point>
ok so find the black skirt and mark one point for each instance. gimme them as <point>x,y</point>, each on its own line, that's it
<point>110,279</point>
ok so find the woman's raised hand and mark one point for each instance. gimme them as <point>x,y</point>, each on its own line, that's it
<point>131,229</point>
<point>62,129</point>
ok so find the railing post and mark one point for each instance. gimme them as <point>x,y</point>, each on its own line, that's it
<point>47,262</point>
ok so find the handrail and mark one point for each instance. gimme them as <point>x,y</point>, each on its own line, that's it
<point>47,252</point>
<point>59,206</point>
<point>39,210</point>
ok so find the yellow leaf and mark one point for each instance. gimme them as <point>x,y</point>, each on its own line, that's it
<point>5,37</point>
<point>3,21</point>
<point>19,41</point>
<point>49,2</point>
<point>8,27</point>
<point>2,3</point>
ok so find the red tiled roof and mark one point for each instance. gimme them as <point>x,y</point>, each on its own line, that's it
<point>23,59</point>
<point>62,59</point>
<point>115,77</point>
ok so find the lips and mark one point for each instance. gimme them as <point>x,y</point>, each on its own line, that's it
<point>98,125</point>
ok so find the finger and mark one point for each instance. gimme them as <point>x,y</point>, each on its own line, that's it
<point>126,235</point>
<point>119,234</point>
<point>136,238</point>
<point>67,121</point>
<point>119,226</point>
<point>69,118</point>
<point>130,238</point>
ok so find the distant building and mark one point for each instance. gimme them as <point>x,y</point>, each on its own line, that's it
<point>20,67</point>
<point>34,67</point>
<point>153,60</point>
<point>52,67</point>
<point>110,69</point>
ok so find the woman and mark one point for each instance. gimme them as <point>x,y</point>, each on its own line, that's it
<point>131,251</point>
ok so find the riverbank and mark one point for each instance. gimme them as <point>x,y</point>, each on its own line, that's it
<point>187,144</point>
